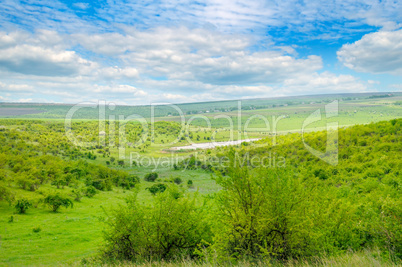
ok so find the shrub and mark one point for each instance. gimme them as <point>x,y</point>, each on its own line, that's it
<point>22,205</point>
<point>177,180</point>
<point>168,229</point>
<point>268,213</point>
<point>130,181</point>
<point>151,177</point>
<point>90,191</point>
<point>36,229</point>
<point>77,194</point>
<point>55,201</point>
<point>190,183</point>
<point>101,184</point>
<point>156,188</point>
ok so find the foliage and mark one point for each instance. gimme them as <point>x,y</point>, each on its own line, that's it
<point>55,201</point>
<point>90,191</point>
<point>151,177</point>
<point>22,205</point>
<point>156,188</point>
<point>129,181</point>
<point>77,194</point>
<point>177,180</point>
<point>36,229</point>
<point>169,228</point>
<point>6,194</point>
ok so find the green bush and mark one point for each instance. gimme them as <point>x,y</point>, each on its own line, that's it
<point>168,229</point>
<point>36,229</point>
<point>77,194</point>
<point>22,205</point>
<point>130,181</point>
<point>267,213</point>
<point>55,201</point>
<point>177,180</point>
<point>90,191</point>
<point>156,188</point>
<point>151,177</point>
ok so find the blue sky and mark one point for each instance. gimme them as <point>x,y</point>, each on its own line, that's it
<point>142,52</point>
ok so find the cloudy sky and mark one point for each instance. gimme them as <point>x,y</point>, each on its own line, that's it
<point>142,52</point>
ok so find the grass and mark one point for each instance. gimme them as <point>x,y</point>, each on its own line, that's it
<point>360,259</point>
<point>72,234</point>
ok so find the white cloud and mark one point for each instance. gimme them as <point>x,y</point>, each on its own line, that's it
<point>118,73</point>
<point>324,82</point>
<point>34,60</point>
<point>242,15</point>
<point>373,82</point>
<point>81,5</point>
<point>41,54</point>
<point>25,100</point>
<point>379,52</point>
<point>119,89</point>
<point>199,55</point>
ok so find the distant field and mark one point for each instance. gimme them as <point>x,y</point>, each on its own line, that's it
<point>11,112</point>
<point>264,106</point>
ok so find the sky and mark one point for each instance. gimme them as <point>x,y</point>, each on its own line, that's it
<point>143,52</point>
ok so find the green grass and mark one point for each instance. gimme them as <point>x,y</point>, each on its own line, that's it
<point>362,258</point>
<point>72,234</point>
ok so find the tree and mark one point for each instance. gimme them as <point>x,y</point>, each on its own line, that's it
<point>55,201</point>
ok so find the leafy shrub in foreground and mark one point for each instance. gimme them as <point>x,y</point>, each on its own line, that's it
<point>267,213</point>
<point>169,228</point>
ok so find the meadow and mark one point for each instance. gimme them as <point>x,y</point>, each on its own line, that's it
<point>306,212</point>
